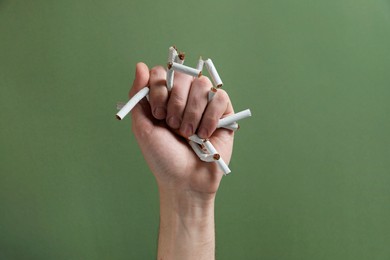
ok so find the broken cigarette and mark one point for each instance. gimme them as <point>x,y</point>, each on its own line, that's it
<point>213,73</point>
<point>221,163</point>
<point>170,75</point>
<point>185,69</point>
<point>195,141</point>
<point>203,156</point>
<point>200,64</point>
<point>131,103</point>
<point>172,55</point>
<point>180,58</point>
<point>233,118</point>
<point>233,126</point>
<point>212,93</point>
<point>195,138</point>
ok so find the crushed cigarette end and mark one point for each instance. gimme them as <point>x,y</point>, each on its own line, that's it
<point>182,55</point>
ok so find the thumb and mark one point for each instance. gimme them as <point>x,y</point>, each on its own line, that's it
<point>141,114</point>
<point>141,79</point>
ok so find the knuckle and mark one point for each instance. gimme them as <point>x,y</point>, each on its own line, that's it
<point>222,96</point>
<point>176,100</point>
<point>191,115</point>
<point>156,102</point>
<point>196,103</point>
<point>204,81</point>
<point>156,71</point>
<point>210,120</point>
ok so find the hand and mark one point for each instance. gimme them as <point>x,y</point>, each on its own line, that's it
<point>160,125</point>
<point>187,186</point>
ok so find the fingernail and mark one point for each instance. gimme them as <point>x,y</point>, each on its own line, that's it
<point>202,132</point>
<point>174,122</point>
<point>187,130</point>
<point>159,113</point>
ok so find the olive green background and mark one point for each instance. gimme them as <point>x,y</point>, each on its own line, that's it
<point>311,168</point>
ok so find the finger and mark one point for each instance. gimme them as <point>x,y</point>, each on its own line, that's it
<point>141,111</point>
<point>158,94</point>
<point>196,104</point>
<point>178,99</point>
<point>141,79</point>
<point>219,106</point>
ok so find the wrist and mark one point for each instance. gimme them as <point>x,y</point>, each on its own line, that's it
<point>188,206</point>
<point>186,225</point>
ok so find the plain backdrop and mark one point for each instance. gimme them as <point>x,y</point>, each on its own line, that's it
<point>310,170</point>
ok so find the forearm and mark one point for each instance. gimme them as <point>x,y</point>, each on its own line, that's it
<point>186,226</point>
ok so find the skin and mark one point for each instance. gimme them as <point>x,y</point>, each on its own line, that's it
<point>187,186</point>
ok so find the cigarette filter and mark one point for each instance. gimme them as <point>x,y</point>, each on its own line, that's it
<point>213,73</point>
<point>185,69</point>
<point>221,163</point>
<point>233,118</point>
<point>131,103</point>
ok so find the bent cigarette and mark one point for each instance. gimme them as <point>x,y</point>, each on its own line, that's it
<point>180,58</point>
<point>233,118</point>
<point>196,139</point>
<point>210,157</point>
<point>212,93</point>
<point>199,152</point>
<point>200,64</point>
<point>213,73</point>
<point>221,163</point>
<point>185,69</point>
<point>203,156</point>
<point>233,126</point>
<point>172,54</point>
<point>131,103</point>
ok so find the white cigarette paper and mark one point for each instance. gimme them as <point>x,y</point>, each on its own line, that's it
<point>195,138</point>
<point>203,156</point>
<point>233,118</point>
<point>180,58</point>
<point>170,76</point>
<point>213,73</point>
<point>200,64</point>
<point>221,163</point>
<point>212,93</point>
<point>172,54</point>
<point>233,126</point>
<point>132,102</point>
<point>185,69</point>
